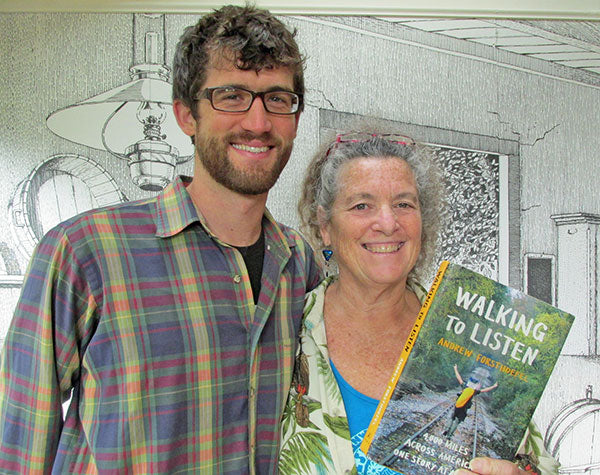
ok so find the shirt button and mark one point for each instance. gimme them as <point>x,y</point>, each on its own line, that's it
<point>237,279</point>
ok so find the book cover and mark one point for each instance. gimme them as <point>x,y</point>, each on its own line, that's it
<point>469,377</point>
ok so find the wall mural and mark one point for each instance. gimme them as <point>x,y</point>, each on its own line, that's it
<point>510,108</point>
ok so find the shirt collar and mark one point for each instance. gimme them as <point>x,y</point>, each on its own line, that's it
<point>175,211</point>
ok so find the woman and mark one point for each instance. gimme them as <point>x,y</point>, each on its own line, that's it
<point>374,202</point>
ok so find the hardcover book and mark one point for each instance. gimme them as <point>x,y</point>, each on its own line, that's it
<point>469,377</point>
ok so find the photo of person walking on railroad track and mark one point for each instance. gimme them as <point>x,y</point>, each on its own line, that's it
<point>465,399</point>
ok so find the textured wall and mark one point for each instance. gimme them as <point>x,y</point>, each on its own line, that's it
<point>442,91</point>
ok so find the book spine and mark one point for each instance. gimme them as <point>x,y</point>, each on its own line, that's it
<point>410,341</point>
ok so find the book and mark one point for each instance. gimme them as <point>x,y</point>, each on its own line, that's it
<point>469,376</point>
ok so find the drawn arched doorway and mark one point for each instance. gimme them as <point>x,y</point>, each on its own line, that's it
<point>58,188</point>
<point>573,436</point>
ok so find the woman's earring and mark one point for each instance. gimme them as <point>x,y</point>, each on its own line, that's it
<point>327,254</point>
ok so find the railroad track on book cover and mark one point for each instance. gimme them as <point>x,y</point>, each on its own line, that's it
<point>432,438</point>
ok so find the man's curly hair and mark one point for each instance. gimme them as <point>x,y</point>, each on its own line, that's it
<point>249,37</point>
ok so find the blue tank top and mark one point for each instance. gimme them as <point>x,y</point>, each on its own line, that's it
<point>359,407</point>
<point>359,410</point>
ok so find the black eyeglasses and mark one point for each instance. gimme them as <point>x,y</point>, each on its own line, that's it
<point>237,99</point>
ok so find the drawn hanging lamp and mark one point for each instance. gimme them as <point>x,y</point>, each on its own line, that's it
<point>133,122</point>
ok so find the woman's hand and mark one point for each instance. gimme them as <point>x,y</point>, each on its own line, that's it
<point>489,466</point>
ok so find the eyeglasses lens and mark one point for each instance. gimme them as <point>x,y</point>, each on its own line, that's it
<point>239,100</point>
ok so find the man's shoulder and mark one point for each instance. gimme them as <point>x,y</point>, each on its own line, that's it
<point>131,217</point>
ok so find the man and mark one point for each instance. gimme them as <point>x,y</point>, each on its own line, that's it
<point>173,320</point>
<point>464,401</point>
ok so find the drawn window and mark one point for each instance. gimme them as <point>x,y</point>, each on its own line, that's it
<point>539,277</point>
<point>471,234</point>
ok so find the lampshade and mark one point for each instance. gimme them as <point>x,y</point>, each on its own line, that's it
<point>135,122</point>
<point>108,121</point>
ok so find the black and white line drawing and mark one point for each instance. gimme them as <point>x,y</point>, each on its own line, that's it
<point>511,105</point>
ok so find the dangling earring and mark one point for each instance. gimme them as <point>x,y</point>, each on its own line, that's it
<point>327,254</point>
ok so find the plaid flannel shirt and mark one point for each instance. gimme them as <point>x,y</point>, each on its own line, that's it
<point>148,320</point>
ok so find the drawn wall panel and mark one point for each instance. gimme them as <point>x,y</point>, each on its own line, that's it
<point>510,105</point>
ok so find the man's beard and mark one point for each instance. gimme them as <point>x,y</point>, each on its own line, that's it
<point>212,152</point>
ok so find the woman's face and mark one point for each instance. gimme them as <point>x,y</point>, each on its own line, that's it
<point>375,227</point>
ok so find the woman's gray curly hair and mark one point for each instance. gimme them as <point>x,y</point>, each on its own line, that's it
<point>320,186</point>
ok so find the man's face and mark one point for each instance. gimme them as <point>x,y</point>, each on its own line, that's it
<point>245,151</point>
